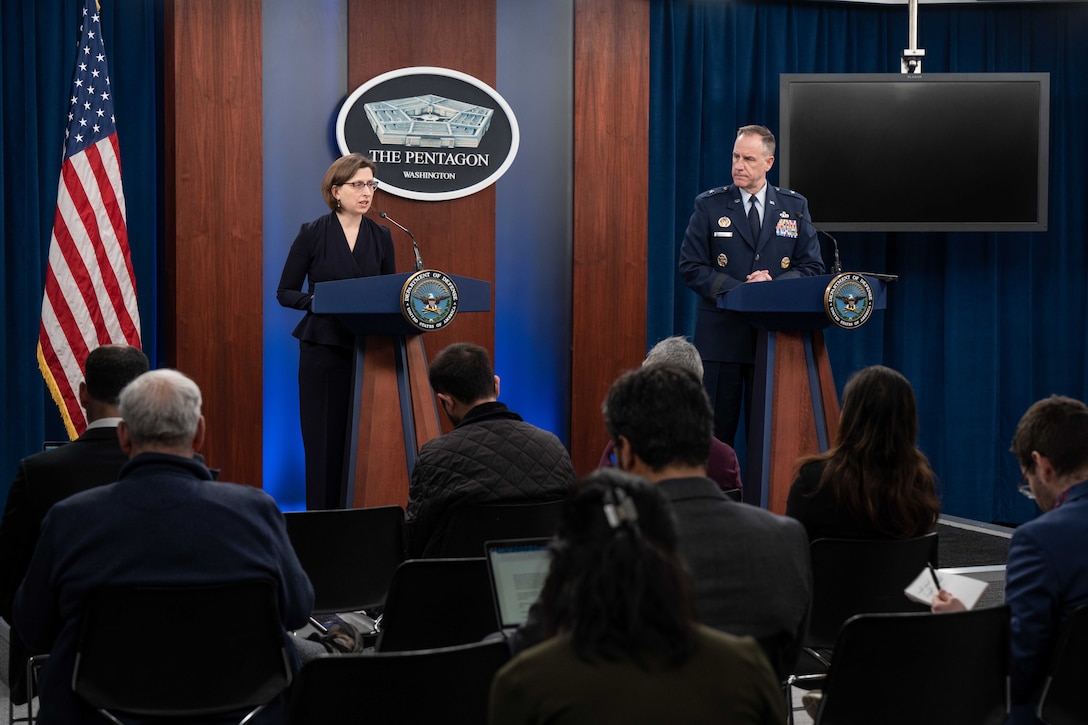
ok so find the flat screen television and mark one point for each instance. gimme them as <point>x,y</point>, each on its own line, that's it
<point>927,152</point>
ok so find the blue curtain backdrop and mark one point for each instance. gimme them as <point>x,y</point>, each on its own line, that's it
<point>983,324</point>
<point>37,56</point>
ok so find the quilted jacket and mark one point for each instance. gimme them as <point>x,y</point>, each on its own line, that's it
<point>492,456</point>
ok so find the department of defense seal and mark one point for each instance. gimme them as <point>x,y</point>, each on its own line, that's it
<point>849,300</point>
<point>429,300</point>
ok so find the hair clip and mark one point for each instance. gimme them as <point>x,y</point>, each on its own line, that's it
<point>619,508</point>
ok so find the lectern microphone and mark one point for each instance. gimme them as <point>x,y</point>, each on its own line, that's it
<point>836,265</point>
<point>415,247</point>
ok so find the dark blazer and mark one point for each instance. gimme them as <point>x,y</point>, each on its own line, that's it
<point>718,253</point>
<point>1046,579</point>
<point>750,567</point>
<point>165,521</point>
<point>93,459</point>
<point>320,253</point>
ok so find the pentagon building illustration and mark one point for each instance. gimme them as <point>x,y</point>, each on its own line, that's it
<point>429,121</point>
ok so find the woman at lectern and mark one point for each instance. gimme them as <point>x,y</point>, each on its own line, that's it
<point>873,483</point>
<point>342,244</point>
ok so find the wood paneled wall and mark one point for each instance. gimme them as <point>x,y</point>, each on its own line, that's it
<point>212,307</point>
<point>611,140</point>
<point>456,236</point>
<point>212,304</point>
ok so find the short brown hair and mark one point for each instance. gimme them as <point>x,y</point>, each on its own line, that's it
<point>763,132</point>
<point>1056,427</point>
<point>341,170</point>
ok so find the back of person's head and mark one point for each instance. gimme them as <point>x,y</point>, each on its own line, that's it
<point>1056,427</point>
<point>875,466</point>
<point>464,371</point>
<point>664,413</point>
<point>676,351</point>
<point>109,368</point>
<point>162,408</point>
<point>616,583</point>
<point>879,418</point>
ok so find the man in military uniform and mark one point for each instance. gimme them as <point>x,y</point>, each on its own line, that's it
<point>748,231</point>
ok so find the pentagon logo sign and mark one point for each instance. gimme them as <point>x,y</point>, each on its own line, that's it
<point>849,300</point>
<point>434,133</point>
<point>429,300</point>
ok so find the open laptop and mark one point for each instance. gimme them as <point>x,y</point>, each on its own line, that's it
<point>517,568</point>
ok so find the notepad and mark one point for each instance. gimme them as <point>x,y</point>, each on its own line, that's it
<point>964,588</point>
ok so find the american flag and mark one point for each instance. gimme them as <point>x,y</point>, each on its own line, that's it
<point>90,289</point>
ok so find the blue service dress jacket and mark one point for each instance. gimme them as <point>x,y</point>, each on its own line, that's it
<point>718,253</point>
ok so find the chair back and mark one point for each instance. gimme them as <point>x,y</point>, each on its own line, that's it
<point>438,685</point>
<point>470,526</point>
<point>905,669</point>
<point>437,603</point>
<point>863,576</point>
<point>200,668</point>
<point>349,554</point>
<point>1062,702</point>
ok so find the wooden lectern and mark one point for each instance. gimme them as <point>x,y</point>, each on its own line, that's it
<point>394,410</point>
<point>795,408</point>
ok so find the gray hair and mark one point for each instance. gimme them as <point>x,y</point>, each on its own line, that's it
<point>161,407</point>
<point>676,351</point>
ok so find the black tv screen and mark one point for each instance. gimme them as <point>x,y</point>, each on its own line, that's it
<point>928,152</point>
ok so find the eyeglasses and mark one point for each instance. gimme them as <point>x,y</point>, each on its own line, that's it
<point>360,185</point>
<point>1024,487</point>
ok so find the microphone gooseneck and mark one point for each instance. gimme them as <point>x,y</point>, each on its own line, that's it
<point>415,246</point>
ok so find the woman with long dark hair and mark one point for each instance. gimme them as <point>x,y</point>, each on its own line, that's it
<point>873,483</point>
<point>624,644</point>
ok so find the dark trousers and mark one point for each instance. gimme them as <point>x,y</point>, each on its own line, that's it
<point>729,386</point>
<point>325,377</point>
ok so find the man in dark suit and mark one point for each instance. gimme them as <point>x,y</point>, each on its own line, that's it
<point>165,521</point>
<point>93,459</point>
<point>1047,572</point>
<point>748,231</point>
<point>750,567</point>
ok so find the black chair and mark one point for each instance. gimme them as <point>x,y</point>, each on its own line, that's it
<point>437,685</point>
<point>1062,702</point>
<point>437,603</point>
<point>862,576</point>
<point>855,576</point>
<point>470,526</point>
<point>911,668</point>
<point>206,669</point>
<point>349,554</point>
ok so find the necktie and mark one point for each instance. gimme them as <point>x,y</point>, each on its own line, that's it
<point>753,218</point>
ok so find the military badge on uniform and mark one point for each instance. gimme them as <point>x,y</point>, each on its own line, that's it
<point>786,228</point>
<point>784,214</point>
<point>722,260</point>
<point>849,300</point>
<point>724,221</point>
<point>785,263</point>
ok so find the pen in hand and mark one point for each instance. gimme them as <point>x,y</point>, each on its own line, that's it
<point>933,574</point>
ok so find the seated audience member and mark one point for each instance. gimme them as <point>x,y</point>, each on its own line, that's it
<point>750,567</point>
<point>873,483</point>
<point>93,459</point>
<point>1046,575</point>
<point>490,456</point>
<point>165,521</point>
<point>624,643</point>
<point>721,464</point>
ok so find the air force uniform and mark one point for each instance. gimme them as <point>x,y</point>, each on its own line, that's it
<point>718,253</point>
